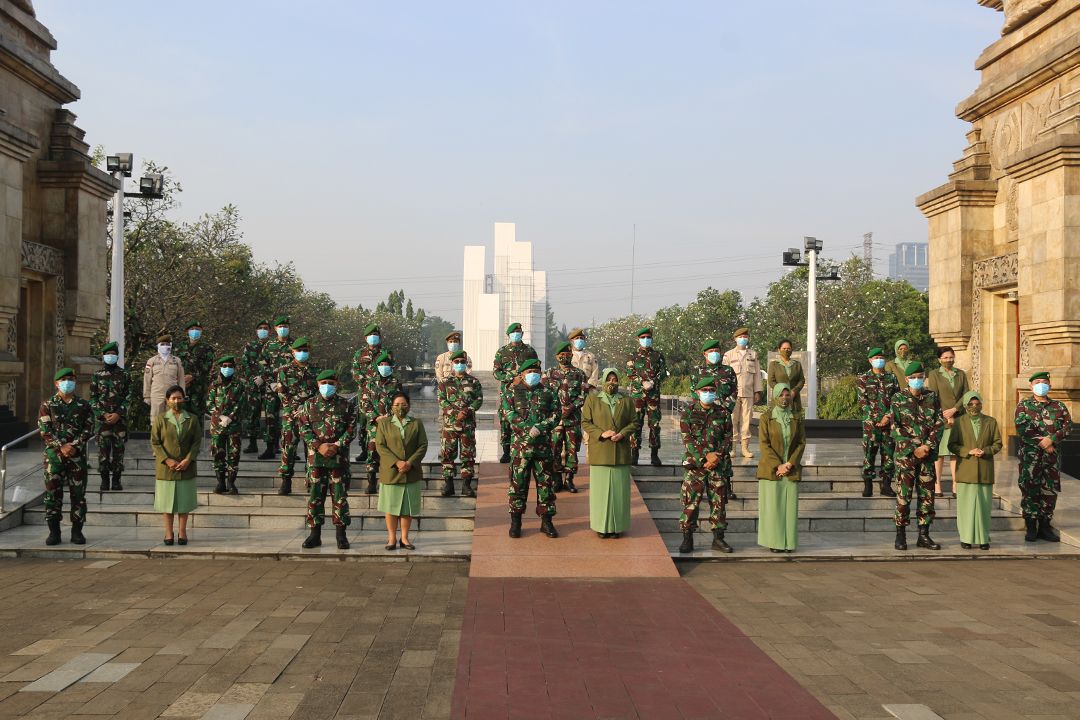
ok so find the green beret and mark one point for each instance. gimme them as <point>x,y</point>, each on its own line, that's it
<point>874,351</point>
<point>326,375</point>
<point>530,364</point>
<point>707,381</point>
<point>281,320</point>
<point>644,331</point>
<point>1041,375</point>
<point>372,329</point>
<point>62,373</point>
<point>113,346</point>
<point>193,323</point>
<point>226,358</point>
<point>300,342</point>
<point>262,322</point>
<point>710,345</point>
<point>914,367</point>
<point>562,347</point>
<point>384,356</point>
<point>513,327</point>
<point>460,354</point>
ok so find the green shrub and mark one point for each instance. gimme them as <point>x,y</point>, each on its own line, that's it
<point>675,385</point>
<point>842,402</point>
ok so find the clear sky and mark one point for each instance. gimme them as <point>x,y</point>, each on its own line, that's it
<point>368,142</point>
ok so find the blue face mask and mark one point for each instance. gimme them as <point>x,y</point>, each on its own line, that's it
<point>67,386</point>
<point>372,339</point>
<point>916,383</point>
<point>515,337</point>
<point>743,341</point>
<point>386,370</point>
<point>262,333</point>
<point>707,397</point>
<point>532,379</point>
<point>713,357</point>
<point>877,363</point>
<point>194,333</point>
<point>645,342</point>
<point>453,347</point>
<point>1041,389</point>
<point>301,355</point>
<point>110,359</point>
<point>227,372</point>
<point>460,367</point>
<point>282,331</point>
<point>327,389</point>
<point>579,344</point>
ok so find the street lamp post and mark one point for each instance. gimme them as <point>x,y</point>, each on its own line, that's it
<point>792,258</point>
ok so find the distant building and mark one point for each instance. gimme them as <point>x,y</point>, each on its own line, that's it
<point>514,292</point>
<point>910,262</point>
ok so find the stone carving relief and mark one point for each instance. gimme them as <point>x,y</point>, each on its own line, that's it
<point>1037,111</point>
<point>50,261</point>
<point>994,272</point>
<point>1019,12</point>
<point>1025,353</point>
<point>1005,139</point>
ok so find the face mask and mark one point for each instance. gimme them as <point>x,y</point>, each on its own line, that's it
<point>164,350</point>
<point>877,363</point>
<point>282,331</point>
<point>564,360</point>
<point>916,383</point>
<point>1041,389</point>
<point>645,342</point>
<point>110,359</point>
<point>902,354</point>
<point>327,389</point>
<point>194,334</point>
<point>400,411</point>
<point>974,411</point>
<point>515,337</point>
<point>713,358</point>
<point>611,388</point>
<point>783,402</point>
<point>742,342</point>
<point>386,370</point>
<point>175,404</point>
<point>460,368</point>
<point>262,333</point>
<point>67,386</point>
<point>372,339</point>
<point>707,397</point>
<point>532,379</point>
<point>301,355</point>
<point>785,354</point>
<point>453,347</point>
<point>227,372</point>
<point>579,344</point>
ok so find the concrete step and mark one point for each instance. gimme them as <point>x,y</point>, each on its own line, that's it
<point>740,521</point>
<point>747,469</point>
<point>248,468</point>
<point>142,480</point>
<point>253,501</point>
<point>749,485</point>
<point>840,502</point>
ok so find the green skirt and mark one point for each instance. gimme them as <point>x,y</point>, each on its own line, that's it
<point>973,504</point>
<point>778,514</point>
<point>943,446</point>
<point>609,498</point>
<point>175,496</point>
<point>403,499</point>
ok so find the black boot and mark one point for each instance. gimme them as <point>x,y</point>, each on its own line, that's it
<point>116,482</point>
<point>372,484</point>
<point>342,541</point>
<point>76,534</point>
<point>548,528</point>
<point>505,457</point>
<point>1032,526</point>
<point>54,531</point>
<point>252,446</point>
<point>718,542</point>
<point>230,480</point>
<point>654,458</point>
<point>515,525</point>
<point>634,456</point>
<point>886,489</point>
<point>468,487</point>
<point>314,538</point>
<point>925,541</point>
<point>104,482</point>
<point>557,483</point>
<point>1046,532</point>
<point>362,455</point>
<point>286,487</point>
<point>901,538</point>
<point>570,483</point>
<point>867,488</point>
<point>220,488</point>
<point>730,485</point>
<point>270,452</point>
<point>448,487</point>
<point>687,541</point>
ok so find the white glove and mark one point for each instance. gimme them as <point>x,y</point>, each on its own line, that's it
<point>534,433</point>
<point>258,381</point>
<point>224,421</point>
<point>647,384</point>
<point>276,387</point>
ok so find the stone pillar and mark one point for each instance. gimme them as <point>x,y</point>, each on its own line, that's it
<point>16,147</point>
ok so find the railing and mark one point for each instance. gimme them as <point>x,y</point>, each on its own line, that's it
<point>3,463</point>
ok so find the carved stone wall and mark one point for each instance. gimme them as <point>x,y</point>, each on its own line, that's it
<point>50,261</point>
<point>989,274</point>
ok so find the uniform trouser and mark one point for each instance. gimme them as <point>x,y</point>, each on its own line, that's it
<point>1039,484</point>
<point>698,482</point>
<point>289,440</point>
<point>252,413</point>
<point>319,481</point>
<point>648,413</point>
<point>61,471</point>
<point>111,449</point>
<point>373,454</point>
<point>226,452</point>
<point>272,417</point>
<point>196,400</point>
<point>912,473</point>
<point>740,419</point>
<point>565,443</point>
<point>505,436</point>
<point>362,430</point>
<point>877,441</point>
<point>454,438</point>
<point>524,467</point>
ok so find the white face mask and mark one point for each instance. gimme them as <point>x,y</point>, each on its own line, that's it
<point>164,350</point>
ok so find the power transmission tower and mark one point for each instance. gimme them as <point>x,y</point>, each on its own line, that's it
<point>868,249</point>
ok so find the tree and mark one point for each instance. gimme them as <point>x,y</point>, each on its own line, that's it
<point>552,335</point>
<point>680,331</point>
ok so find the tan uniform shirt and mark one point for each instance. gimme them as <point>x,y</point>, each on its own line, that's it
<point>158,376</point>
<point>586,362</point>
<point>444,368</point>
<point>747,370</point>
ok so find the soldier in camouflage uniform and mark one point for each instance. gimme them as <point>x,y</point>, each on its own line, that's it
<point>295,385</point>
<point>460,397</point>
<point>571,387</point>
<point>532,411</point>
<point>110,391</point>
<point>876,388</point>
<point>363,372</point>
<point>66,423</point>
<point>584,360</point>
<point>727,385</point>
<point>226,402</point>
<point>915,416</point>
<point>254,384</point>
<point>379,396</point>
<point>706,434</point>
<point>277,353</point>
<point>198,360</point>
<point>327,423</point>
<point>1042,424</point>
<point>507,368</point>
<point>445,360</point>
<point>645,370</point>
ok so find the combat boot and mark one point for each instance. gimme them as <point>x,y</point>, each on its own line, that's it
<point>901,538</point>
<point>634,456</point>
<point>570,483</point>
<point>252,446</point>
<point>654,458</point>
<point>314,538</point>
<point>230,478</point>
<point>286,486</point>
<point>362,455</point>
<point>76,534</point>
<point>270,452</point>
<point>505,457</point>
<point>54,531</point>
<point>515,525</point>
<point>342,540</point>
<point>886,489</point>
<point>925,541</point>
<point>868,488</point>
<point>372,483</point>
<point>116,481</point>
<point>104,482</point>
<point>557,484</point>
<point>718,542</point>
<point>1032,527</point>
<point>448,487</point>
<point>730,485</point>
<point>547,527</point>
<point>220,488</point>
<point>746,450</point>
<point>1046,532</point>
<point>687,541</point>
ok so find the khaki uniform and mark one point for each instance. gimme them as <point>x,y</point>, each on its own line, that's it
<point>748,371</point>
<point>587,363</point>
<point>158,376</point>
<point>443,367</point>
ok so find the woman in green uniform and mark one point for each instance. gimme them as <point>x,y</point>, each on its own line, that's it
<point>175,438</point>
<point>401,443</point>
<point>974,441</point>
<point>789,372</point>
<point>950,383</point>
<point>609,419</point>
<point>782,440</point>
<point>899,364</point>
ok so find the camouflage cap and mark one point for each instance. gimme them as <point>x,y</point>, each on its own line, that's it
<point>914,367</point>
<point>710,345</point>
<point>300,342</point>
<point>707,381</point>
<point>644,331</point>
<point>384,356</point>
<point>453,334</point>
<point>326,375</point>
<point>63,373</point>
<point>513,327</point>
<point>1041,375</point>
<point>562,347</point>
<point>226,359</point>
<point>459,355</point>
<point>281,320</point>
<point>874,352</point>
<point>576,332</point>
<point>372,329</point>
<point>530,364</point>
<point>111,347</point>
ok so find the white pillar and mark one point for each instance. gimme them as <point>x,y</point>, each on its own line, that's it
<point>116,294</point>
<point>811,337</point>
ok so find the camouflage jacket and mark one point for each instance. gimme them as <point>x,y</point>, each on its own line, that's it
<point>706,430</point>
<point>571,387</point>
<point>459,393</point>
<point>380,397</point>
<point>226,397</point>
<point>327,420</point>
<point>276,354</point>
<point>297,381</point>
<point>645,365</point>
<point>253,362</point>
<point>507,360</point>
<point>63,423</point>
<point>198,361</point>
<point>364,372</point>
<point>916,421</point>
<point>1036,420</point>
<point>727,382</point>
<point>110,392</point>
<point>875,395</point>
<point>531,407</point>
